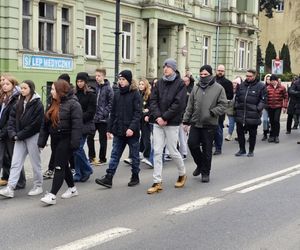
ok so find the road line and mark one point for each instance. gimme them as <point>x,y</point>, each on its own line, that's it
<point>268,176</point>
<point>97,239</point>
<point>194,205</point>
<point>266,183</point>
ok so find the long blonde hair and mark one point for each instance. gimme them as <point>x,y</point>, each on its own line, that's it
<point>13,81</point>
<point>147,91</point>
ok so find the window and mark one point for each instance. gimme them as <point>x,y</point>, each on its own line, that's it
<point>126,41</point>
<point>280,6</point>
<point>241,61</point>
<point>205,50</point>
<point>235,53</point>
<point>90,36</point>
<point>243,53</point>
<point>249,55</point>
<point>65,30</point>
<point>206,2</point>
<point>26,24</point>
<point>46,24</point>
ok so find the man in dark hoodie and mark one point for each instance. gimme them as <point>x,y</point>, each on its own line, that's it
<point>206,103</point>
<point>167,103</point>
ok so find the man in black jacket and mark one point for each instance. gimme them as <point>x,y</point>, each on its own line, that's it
<point>167,103</point>
<point>227,85</point>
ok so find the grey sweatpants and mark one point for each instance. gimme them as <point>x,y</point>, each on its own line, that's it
<point>21,150</point>
<point>166,136</point>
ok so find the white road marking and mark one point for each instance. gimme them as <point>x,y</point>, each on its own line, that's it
<point>266,183</point>
<point>97,239</point>
<point>268,176</point>
<point>191,206</point>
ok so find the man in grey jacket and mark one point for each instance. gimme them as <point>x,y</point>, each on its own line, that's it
<point>206,103</point>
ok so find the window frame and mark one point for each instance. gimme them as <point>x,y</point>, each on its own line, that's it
<point>66,23</point>
<point>125,35</point>
<point>91,28</point>
<point>206,58</point>
<point>28,18</point>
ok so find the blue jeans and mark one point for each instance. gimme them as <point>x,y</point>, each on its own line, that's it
<point>231,124</point>
<point>265,120</point>
<point>219,136</point>
<point>119,144</point>
<point>82,165</point>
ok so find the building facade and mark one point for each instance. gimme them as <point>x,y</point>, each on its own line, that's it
<point>284,27</point>
<point>42,39</point>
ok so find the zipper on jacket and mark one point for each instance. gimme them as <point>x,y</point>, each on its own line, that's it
<point>245,105</point>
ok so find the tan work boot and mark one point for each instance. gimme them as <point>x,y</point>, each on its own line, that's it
<point>3,182</point>
<point>156,187</point>
<point>180,181</point>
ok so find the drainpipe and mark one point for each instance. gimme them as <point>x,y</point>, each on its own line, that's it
<point>117,42</point>
<point>218,34</point>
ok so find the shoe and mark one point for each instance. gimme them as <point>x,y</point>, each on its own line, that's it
<point>7,192</point>
<point>94,162</point>
<point>35,191</point>
<point>298,142</point>
<point>205,178</point>
<point>180,181</point>
<point>128,161</point>
<point>250,154</point>
<point>236,139</point>
<point>295,127</point>
<point>71,192</point>
<point>49,174</point>
<point>265,137</point>
<point>167,158</point>
<point>73,171</point>
<point>102,162</point>
<point>271,139</point>
<point>18,187</point>
<point>197,171</point>
<point>288,132</point>
<point>228,138</point>
<point>134,180</point>
<point>49,199</point>
<point>3,182</point>
<point>241,153</point>
<point>156,187</point>
<point>146,161</point>
<point>105,181</point>
<point>217,152</point>
<point>276,140</point>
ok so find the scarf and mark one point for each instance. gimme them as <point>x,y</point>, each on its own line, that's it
<point>170,78</point>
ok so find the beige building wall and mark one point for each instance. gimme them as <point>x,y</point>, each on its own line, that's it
<point>284,27</point>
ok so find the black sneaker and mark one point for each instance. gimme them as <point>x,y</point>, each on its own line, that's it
<point>241,153</point>
<point>205,178</point>
<point>271,139</point>
<point>265,137</point>
<point>197,171</point>
<point>105,181</point>
<point>288,132</point>
<point>250,154</point>
<point>134,180</point>
<point>276,140</point>
<point>217,152</point>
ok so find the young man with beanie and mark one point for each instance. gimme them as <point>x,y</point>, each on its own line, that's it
<point>277,100</point>
<point>206,103</point>
<point>104,100</point>
<point>124,125</point>
<point>166,108</point>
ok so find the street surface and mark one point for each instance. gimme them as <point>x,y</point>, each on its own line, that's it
<point>250,203</point>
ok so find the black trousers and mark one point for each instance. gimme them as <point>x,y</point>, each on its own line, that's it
<point>252,130</point>
<point>274,118</point>
<point>145,140</point>
<point>200,143</point>
<point>102,130</point>
<point>60,146</point>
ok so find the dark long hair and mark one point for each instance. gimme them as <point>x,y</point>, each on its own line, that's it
<point>20,103</point>
<point>62,88</point>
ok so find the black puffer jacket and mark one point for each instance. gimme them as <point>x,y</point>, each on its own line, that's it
<point>88,104</point>
<point>227,85</point>
<point>29,122</point>
<point>168,101</point>
<point>5,114</point>
<point>69,123</point>
<point>250,100</point>
<point>294,98</point>
<point>126,112</point>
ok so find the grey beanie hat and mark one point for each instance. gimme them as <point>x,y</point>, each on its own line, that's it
<point>170,62</point>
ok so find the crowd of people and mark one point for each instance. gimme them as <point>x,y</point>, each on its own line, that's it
<point>158,120</point>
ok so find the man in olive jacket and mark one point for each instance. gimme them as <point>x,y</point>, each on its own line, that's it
<point>206,103</point>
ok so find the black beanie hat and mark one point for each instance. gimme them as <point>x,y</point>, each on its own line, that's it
<point>65,77</point>
<point>273,78</point>
<point>82,76</point>
<point>206,67</point>
<point>127,75</point>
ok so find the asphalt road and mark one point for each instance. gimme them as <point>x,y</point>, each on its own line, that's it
<point>263,212</point>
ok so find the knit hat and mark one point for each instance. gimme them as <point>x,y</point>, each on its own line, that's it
<point>206,67</point>
<point>127,75</point>
<point>273,78</point>
<point>170,63</point>
<point>82,76</point>
<point>65,77</point>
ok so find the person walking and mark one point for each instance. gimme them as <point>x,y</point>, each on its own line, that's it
<point>293,104</point>
<point>23,127</point>
<point>206,103</point>
<point>250,100</point>
<point>87,99</point>
<point>63,122</point>
<point>124,125</point>
<point>167,103</point>
<point>265,115</point>
<point>277,101</point>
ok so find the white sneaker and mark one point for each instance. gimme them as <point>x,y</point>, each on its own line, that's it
<point>128,161</point>
<point>35,191</point>
<point>146,161</point>
<point>71,192</point>
<point>228,138</point>
<point>7,192</point>
<point>49,199</point>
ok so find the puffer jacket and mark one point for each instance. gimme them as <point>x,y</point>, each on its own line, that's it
<point>69,123</point>
<point>277,96</point>
<point>250,100</point>
<point>205,105</point>
<point>168,101</point>
<point>294,96</point>
<point>29,122</point>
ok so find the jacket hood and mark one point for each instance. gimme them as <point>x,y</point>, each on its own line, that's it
<point>35,96</point>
